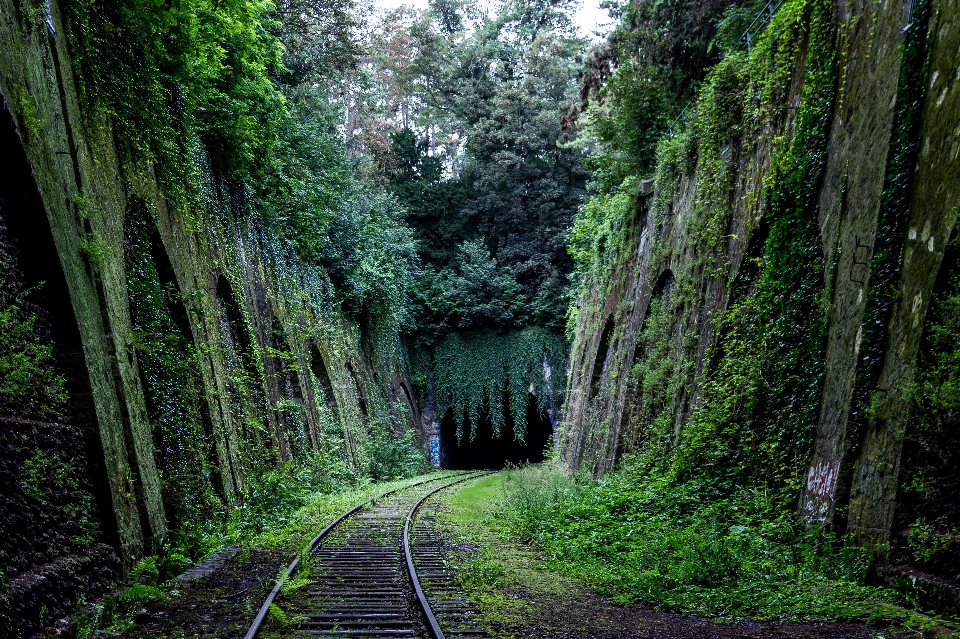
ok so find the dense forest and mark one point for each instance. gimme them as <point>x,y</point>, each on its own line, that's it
<point>696,277</point>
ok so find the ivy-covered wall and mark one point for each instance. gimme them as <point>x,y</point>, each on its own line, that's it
<point>753,312</point>
<point>203,353</point>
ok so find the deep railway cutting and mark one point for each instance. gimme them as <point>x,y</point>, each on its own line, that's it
<point>377,572</point>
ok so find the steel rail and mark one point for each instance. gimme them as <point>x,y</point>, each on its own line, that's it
<point>432,623</point>
<point>312,546</point>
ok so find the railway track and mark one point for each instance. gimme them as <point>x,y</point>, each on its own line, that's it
<point>377,572</point>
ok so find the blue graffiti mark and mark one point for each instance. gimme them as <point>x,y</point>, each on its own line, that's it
<point>435,452</point>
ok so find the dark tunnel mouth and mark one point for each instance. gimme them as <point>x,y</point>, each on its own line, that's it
<point>486,452</point>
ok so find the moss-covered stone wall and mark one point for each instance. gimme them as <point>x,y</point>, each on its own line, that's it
<point>203,357</point>
<point>758,307</point>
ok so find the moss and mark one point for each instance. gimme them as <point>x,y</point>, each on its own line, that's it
<point>781,323</point>
<point>757,396</point>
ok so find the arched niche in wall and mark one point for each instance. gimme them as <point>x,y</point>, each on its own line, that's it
<point>930,462</point>
<point>408,396</point>
<point>746,278</point>
<point>662,290</point>
<point>319,369</point>
<point>244,381</point>
<point>602,347</point>
<point>169,367</point>
<point>290,405</point>
<point>749,270</point>
<point>658,319</point>
<point>361,391</point>
<point>663,285</point>
<point>236,327</point>
<point>55,498</point>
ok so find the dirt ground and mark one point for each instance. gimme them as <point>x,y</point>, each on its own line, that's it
<point>588,615</point>
<point>222,604</point>
<point>219,605</point>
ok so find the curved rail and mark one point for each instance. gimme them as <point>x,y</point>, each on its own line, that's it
<point>312,546</point>
<point>432,623</point>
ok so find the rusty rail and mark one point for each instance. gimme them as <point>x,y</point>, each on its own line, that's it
<point>360,589</point>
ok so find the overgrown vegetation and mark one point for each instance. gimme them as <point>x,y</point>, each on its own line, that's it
<point>703,516</point>
<point>928,529</point>
<point>642,537</point>
<point>493,372</point>
<point>760,392</point>
<point>237,110</point>
<point>464,134</point>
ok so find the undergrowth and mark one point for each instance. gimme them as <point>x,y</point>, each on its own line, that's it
<point>640,536</point>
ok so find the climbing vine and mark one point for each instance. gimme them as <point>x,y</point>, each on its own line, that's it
<point>759,394</point>
<point>762,397</point>
<point>930,513</point>
<point>887,260</point>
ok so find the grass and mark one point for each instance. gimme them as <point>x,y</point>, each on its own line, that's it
<point>506,581</point>
<point>640,539</point>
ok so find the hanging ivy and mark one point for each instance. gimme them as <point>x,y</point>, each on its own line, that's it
<point>497,372</point>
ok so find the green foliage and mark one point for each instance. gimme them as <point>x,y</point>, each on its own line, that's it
<point>208,63</point>
<point>597,243</point>
<point>491,179</point>
<point>462,128</point>
<point>28,379</point>
<point>490,371</point>
<point>274,494</point>
<point>279,616</point>
<point>432,200</point>
<point>636,85</point>
<point>145,572</point>
<point>642,537</point>
<point>762,398</point>
<point>524,187</point>
<point>333,238</point>
<point>115,613</point>
<point>394,456</point>
<point>932,451</point>
<point>27,108</point>
<point>596,240</point>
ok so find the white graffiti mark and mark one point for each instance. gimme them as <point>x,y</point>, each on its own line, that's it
<point>822,479</point>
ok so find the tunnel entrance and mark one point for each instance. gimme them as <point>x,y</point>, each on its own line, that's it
<point>493,453</point>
